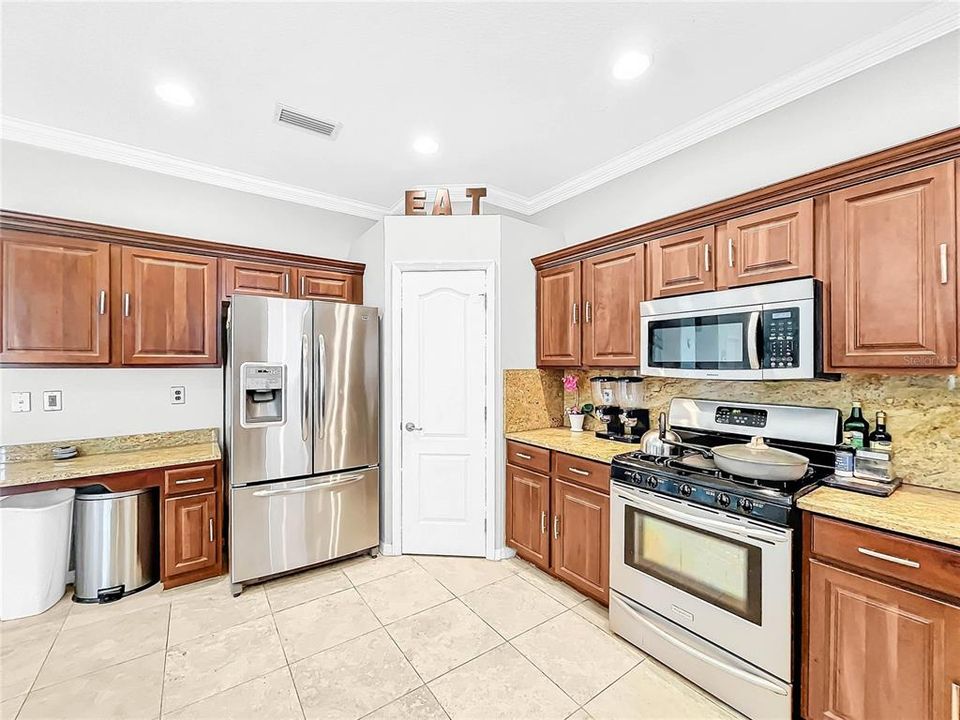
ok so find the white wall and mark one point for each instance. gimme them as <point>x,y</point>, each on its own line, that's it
<point>912,95</point>
<point>114,401</point>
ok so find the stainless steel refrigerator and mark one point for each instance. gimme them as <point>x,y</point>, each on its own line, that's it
<point>301,392</point>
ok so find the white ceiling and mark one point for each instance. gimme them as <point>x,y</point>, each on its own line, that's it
<point>519,96</point>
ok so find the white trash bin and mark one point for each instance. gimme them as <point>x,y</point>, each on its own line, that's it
<point>34,551</point>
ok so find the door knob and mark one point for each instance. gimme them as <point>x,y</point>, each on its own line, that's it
<point>410,427</point>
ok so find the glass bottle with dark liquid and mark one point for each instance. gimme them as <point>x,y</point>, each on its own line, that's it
<point>856,429</point>
<point>880,439</point>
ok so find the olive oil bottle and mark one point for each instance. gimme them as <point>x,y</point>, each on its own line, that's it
<point>856,429</point>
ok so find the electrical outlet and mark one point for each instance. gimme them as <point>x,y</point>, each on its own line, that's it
<point>52,400</point>
<point>178,395</point>
<point>20,402</point>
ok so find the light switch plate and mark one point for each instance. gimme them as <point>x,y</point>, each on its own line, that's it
<point>178,395</point>
<point>52,400</point>
<point>20,402</point>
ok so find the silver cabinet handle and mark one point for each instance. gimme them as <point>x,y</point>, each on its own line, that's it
<point>303,281</point>
<point>586,311</point>
<point>576,314</point>
<point>410,427</point>
<point>706,257</point>
<point>730,252</point>
<point>321,398</point>
<point>524,456</point>
<point>308,488</point>
<point>191,481</point>
<point>888,558</point>
<point>943,263</point>
<point>955,701</point>
<point>211,529</point>
<point>556,527</point>
<point>102,302</point>
<point>126,304</point>
<point>543,522</point>
<point>578,471</point>
<point>286,283</point>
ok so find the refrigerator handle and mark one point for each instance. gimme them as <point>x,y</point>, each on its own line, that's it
<point>321,382</point>
<point>305,381</point>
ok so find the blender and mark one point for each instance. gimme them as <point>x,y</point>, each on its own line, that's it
<point>636,419</point>
<point>606,391</point>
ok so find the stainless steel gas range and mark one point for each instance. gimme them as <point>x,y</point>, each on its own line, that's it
<point>704,566</point>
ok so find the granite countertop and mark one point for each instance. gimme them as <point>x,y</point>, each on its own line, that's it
<point>582,444</point>
<point>27,464</point>
<point>920,512</point>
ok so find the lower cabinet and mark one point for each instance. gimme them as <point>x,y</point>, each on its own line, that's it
<point>581,538</point>
<point>190,529</point>
<point>528,510</point>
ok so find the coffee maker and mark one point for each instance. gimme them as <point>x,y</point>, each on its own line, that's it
<point>635,419</point>
<point>606,392</point>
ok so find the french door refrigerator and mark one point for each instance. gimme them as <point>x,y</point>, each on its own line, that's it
<point>301,405</point>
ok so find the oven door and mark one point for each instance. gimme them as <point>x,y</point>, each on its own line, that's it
<point>725,578</point>
<point>703,344</point>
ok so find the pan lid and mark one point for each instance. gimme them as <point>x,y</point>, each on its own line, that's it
<point>757,451</point>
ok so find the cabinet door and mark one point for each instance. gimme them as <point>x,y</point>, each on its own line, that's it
<point>558,316</point>
<point>775,244</point>
<point>55,304</point>
<point>328,285</point>
<point>893,294</point>
<point>170,308</point>
<point>190,530</point>
<point>252,278</point>
<point>612,292</point>
<point>581,538</point>
<point>682,263</point>
<point>877,652</point>
<point>528,515</point>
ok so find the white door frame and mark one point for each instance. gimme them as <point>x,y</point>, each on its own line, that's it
<point>395,420</point>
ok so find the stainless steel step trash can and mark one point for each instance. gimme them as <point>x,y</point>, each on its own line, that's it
<point>116,541</point>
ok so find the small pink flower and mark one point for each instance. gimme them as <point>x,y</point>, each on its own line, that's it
<point>570,382</point>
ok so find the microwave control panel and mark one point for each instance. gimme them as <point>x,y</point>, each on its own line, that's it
<point>781,338</point>
<point>743,417</point>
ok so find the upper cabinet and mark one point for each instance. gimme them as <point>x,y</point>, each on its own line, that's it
<point>892,251</point>
<point>55,299</point>
<point>558,316</point>
<point>775,244</point>
<point>170,308</point>
<point>683,263</point>
<point>612,292</point>
<point>253,278</point>
<point>329,285</point>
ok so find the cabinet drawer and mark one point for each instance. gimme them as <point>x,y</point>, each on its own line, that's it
<point>187,480</point>
<point>529,457</point>
<point>912,561</point>
<point>589,473</point>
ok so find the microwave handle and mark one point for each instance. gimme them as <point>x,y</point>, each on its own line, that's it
<point>753,340</point>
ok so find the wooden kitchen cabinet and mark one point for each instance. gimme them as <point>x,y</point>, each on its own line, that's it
<point>253,278</point>
<point>528,515</point>
<point>329,285</point>
<point>580,548</point>
<point>775,244</point>
<point>683,263</point>
<point>55,299</point>
<point>613,288</point>
<point>170,308</point>
<point>893,271</point>
<point>191,532</point>
<point>559,306</point>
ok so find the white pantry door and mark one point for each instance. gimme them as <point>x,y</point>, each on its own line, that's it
<point>443,358</point>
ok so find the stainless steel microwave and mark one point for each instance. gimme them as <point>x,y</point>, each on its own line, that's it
<point>762,332</point>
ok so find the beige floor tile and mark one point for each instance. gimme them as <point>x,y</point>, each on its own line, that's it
<point>203,613</point>
<point>401,595</point>
<point>86,613</point>
<point>108,642</point>
<point>20,665</point>
<point>559,591</point>
<point>652,692</point>
<point>125,691</point>
<point>367,569</point>
<point>500,684</point>
<point>512,606</point>
<point>322,623</point>
<point>580,714</point>
<point>271,696</point>
<point>207,665</point>
<point>460,575</point>
<point>418,705</point>
<point>37,628</point>
<point>577,655</point>
<point>353,679</point>
<point>296,589</point>
<point>519,565</point>
<point>595,613</point>
<point>9,707</point>
<point>439,639</point>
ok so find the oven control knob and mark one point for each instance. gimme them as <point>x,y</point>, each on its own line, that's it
<point>746,504</point>
<point>723,500</point>
<point>686,490</point>
<point>651,481</point>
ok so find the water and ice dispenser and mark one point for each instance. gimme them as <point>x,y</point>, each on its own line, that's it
<point>262,386</point>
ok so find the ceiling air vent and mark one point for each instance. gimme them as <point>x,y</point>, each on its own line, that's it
<point>288,116</point>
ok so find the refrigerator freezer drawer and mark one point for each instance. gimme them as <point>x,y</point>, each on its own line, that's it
<point>284,526</point>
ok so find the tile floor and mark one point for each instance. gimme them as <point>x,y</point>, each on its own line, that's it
<point>392,637</point>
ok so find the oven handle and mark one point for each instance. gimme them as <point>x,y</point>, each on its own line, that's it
<point>702,522</point>
<point>753,340</point>
<point>678,643</point>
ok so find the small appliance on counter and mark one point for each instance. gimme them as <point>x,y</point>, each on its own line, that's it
<point>606,396</point>
<point>617,404</point>
<point>636,419</point>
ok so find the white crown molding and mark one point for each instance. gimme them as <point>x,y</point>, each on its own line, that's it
<point>31,133</point>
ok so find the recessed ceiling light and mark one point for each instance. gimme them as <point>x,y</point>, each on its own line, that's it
<point>425,145</point>
<point>631,65</point>
<point>174,94</point>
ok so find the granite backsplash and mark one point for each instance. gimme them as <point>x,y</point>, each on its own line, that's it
<point>923,411</point>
